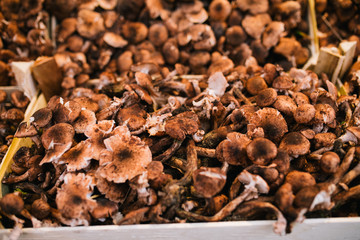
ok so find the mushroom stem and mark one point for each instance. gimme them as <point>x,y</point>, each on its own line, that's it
<point>177,163</point>
<point>191,165</point>
<point>15,179</point>
<point>343,197</point>
<point>351,175</point>
<point>35,222</point>
<point>47,180</point>
<point>223,213</point>
<point>348,114</point>
<point>240,95</point>
<point>249,208</point>
<point>343,167</point>
<point>205,152</point>
<point>322,150</point>
<point>169,152</point>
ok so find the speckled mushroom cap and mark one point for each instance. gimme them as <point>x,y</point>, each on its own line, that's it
<point>56,141</point>
<point>134,117</point>
<point>233,149</point>
<point>266,97</point>
<point>104,208</point>
<point>271,121</point>
<point>73,198</point>
<point>208,181</point>
<point>324,114</point>
<point>78,157</point>
<point>185,123</point>
<point>41,117</point>
<point>261,151</point>
<point>96,134</point>
<point>125,157</point>
<point>85,119</point>
<point>295,144</point>
<point>25,130</point>
<point>115,192</point>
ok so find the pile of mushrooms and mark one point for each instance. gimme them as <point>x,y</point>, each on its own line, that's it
<point>12,109</point>
<point>172,112</point>
<point>338,20</point>
<point>223,147</point>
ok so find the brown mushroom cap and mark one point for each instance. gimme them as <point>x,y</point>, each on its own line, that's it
<point>114,40</point>
<point>25,130</point>
<point>253,6</point>
<point>78,157</point>
<point>324,139</point>
<point>41,117</point>
<point>134,117</point>
<point>183,124</point>
<point>272,34</point>
<point>285,104</point>
<point>266,97</point>
<point>235,35</point>
<point>255,25</point>
<point>12,115</point>
<point>107,4</point>
<point>300,98</point>
<point>233,149</point>
<point>134,32</point>
<point>284,197</point>
<point>104,208</point>
<point>18,99</point>
<point>73,198</point>
<point>57,140</point>
<point>40,209</point>
<point>219,10</point>
<point>85,119</point>
<point>67,112</point>
<point>329,162</point>
<point>299,180</point>
<point>125,156</point>
<point>324,114</point>
<point>283,82</point>
<point>11,204</point>
<point>116,192</point>
<point>158,34</point>
<point>255,84</point>
<point>89,23</point>
<point>282,161</point>
<point>270,73</point>
<point>295,144</point>
<point>304,113</point>
<point>208,181</point>
<point>271,121</point>
<point>261,151</point>
<point>170,51</point>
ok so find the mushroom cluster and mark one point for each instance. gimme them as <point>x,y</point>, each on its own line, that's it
<point>101,38</point>
<point>24,34</point>
<point>12,109</point>
<point>175,148</point>
<point>172,112</point>
<point>338,20</point>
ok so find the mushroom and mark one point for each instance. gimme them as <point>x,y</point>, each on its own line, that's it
<point>89,23</point>
<point>219,10</point>
<point>78,157</point>
<point>304,113</point>
<point>261,151</point>
<point>255,84</point>
<point>183,124</point>
<point>329,162</point>
<point>125,156</point>
<point>134,32</point>
<point>104,209</point>
<point>56,141</point>
<point>208,181</point>
<point>114,40</point>
<point>254,7</point>
<point>271,121</point>
<point>295,144</point>
<point>115,192</point>
<point>158,34</point>
<point>272,34</point>
<point>235,35</point>
<point>133,117</point>
<point>285,104</point>
<point>233,149</point>
<point>85,119</point>
<point>299,180</point>
<point>18,99</point>
<point>255,25</point>
<point>73,199</point>
<point>266,97</point>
